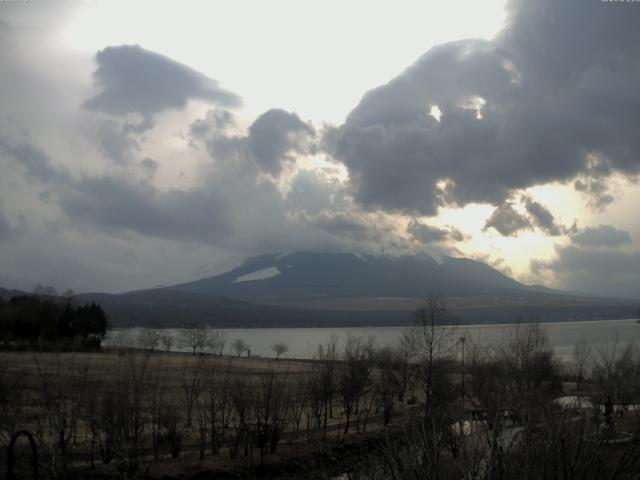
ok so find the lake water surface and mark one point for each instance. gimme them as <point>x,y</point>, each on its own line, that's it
<point>303,342</point>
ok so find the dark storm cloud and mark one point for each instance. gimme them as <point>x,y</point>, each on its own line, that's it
<point>507,221</point>
<point>35,161</point>
<point>349,225</point>
<point>601,236</point>
<point>597,190</point>
<point>135,80</point>
<point>272,141</point>
<point>275,136</point>
<point>427,234</point>
<point>116,143</point>
<point>553,95</point>
<point>339,224</point>
<point>120,204</point>
<point>542,217</point>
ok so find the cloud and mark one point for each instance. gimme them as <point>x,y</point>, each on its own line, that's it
<point>12,227</point>
<point>312,192</point>
<point>498,263</point>
<point>273,140</point>
<point>275,137</point>
<point>427,234</point>
<point>597,191</point>
<point>340,224</point>
<point>349,230</point>
<point>137,206</point>
<point>6,230</point>
<point>36,161</point>
<point>596,271</point>
<point>542,217</point>
<point>124,203</point>
<point>150,166</point>
<point>135,80</point>
<point>601,236</point>
<point>116,142</point>
<point>231,206</point>
<point>552,98</point>
<point>507,221</point>
<point>551,95</point>
<point>215,120</point>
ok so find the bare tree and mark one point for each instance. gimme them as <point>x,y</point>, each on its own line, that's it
<point>239,346</point>
<point>530,365</point>
<point>149,339</point>
<point>298,395</point>
<point>388,381</point>
<point>218,406</point>
<point>328,356</point>
<point>352,375</point>
<point>195,338</point>
<point>12,392</point>
<point>279,348</point>
<point>45,291</point>
<point>581,355</point>
<point>157,392</point>
<point>167,342</point>
<point>60,385</point>
<point>192,386</point>
<point>269,412</point>
<point>217,341</point>
<point>616,374</point>
<point>433,340</point>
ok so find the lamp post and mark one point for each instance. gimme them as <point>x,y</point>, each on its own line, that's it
<point>462,340</point>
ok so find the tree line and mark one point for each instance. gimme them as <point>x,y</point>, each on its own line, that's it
<point>47,319</point>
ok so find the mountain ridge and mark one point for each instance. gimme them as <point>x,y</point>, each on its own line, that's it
<point>313,289</point>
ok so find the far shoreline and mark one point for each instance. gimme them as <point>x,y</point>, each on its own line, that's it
<point>360,326</point>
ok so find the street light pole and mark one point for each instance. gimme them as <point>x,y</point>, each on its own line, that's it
<point>462,408</point>
<point>462,340</point>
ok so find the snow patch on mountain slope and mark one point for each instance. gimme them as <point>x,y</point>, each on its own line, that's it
<point>258,275</point>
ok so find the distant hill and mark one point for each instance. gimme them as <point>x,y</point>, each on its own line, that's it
<point>7,294</point>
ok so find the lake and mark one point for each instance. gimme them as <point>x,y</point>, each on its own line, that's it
<point>303,342</point>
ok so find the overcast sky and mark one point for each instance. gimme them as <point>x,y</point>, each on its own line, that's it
<point>145,143</point>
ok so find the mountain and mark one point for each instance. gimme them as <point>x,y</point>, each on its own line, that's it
<point>297,278</point>
<point>340,289</point>
<point>306,289</point>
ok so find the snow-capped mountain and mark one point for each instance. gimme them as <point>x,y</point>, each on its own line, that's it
<point>348,289</point>
<point>300,276</point>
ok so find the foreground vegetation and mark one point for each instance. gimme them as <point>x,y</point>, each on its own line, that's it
<point>434,406</point>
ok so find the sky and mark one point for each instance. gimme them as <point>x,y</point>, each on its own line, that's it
<point>149,142</point>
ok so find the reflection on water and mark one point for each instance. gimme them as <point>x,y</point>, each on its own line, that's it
<point>303,342</point>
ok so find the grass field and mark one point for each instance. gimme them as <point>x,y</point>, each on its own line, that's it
<point>175,413</point>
